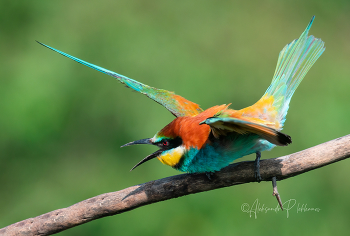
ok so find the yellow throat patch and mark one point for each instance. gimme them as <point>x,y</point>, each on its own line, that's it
<point>172,156</point>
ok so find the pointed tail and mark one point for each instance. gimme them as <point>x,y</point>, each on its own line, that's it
<point>294,61</point>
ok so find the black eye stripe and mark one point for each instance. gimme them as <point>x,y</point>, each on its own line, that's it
<point>168,143</point>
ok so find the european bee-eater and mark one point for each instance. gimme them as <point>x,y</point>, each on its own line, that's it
<point>205,141</point>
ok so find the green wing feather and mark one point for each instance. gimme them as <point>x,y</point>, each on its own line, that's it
<point>176,104</point>
<point>224,125</point>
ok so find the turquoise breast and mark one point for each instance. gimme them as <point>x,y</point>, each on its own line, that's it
<point>219,153</point>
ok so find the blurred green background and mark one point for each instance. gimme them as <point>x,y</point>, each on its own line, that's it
<point>62,124</point>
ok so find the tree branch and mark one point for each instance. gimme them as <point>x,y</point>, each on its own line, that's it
<point>180,185</point>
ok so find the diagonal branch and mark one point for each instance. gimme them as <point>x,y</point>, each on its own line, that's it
<point>180,185</point>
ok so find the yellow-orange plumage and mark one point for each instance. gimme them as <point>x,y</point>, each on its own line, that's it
<point>190,108</point>
<point>262,112</point>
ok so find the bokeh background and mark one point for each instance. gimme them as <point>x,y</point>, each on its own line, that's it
<point>62,124</point>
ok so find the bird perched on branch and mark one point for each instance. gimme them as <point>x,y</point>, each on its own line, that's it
<point>205,141</point>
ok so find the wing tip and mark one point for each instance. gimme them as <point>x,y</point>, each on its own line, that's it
<point>44,45</point>
<point>283,139</point>
<point>311,21</point>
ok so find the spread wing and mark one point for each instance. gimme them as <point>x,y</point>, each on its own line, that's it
<point>224,125</point>
<point>176,104</point>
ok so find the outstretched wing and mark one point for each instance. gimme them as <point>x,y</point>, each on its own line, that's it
<point>176,104</point>
<point>224,125</point>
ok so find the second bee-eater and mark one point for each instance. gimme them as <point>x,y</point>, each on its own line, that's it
<point>205,141</point>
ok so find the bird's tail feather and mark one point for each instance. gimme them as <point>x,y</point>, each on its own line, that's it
<point>293,63</point>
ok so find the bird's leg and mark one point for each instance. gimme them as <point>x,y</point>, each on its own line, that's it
<point>275,192</point>
<point>209,174</point>
<point>257,167</point>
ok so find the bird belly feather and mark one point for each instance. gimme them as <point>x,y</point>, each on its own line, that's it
<point>220,153</point>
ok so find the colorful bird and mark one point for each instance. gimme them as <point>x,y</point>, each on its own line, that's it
<point>205,141</point>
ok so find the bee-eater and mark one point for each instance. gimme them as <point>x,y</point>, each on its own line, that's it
<point>205,141</point>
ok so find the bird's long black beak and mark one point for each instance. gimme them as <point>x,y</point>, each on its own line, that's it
<point>147,158</point>
<point>141,141</point>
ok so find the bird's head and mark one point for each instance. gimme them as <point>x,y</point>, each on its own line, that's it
<point>169,153</point>
<point>178,138</point>
<point>170,143</point>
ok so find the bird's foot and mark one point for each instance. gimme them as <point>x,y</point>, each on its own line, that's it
<point>275,192</point>
<point>257,167</point>
<point>209,174</point>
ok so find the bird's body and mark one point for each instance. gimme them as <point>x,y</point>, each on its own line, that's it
<point>201,151</point>
<point>198,141</point>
